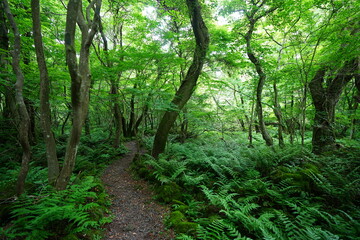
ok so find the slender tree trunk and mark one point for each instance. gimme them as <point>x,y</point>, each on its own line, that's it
<point>242,107</point>
<point>253,17</point>
<point>278,114</point>
<point>80,78</point>
<point>251,123</point>
<point>291,126</point>
<point>31,112</point>
<point>24,120</point>
<point>114,86</point>
<point>260,85</point>
<point>354,120</point>
<point>45,112</point>
<point>325,99</point>
<point>303,114</point>
<point>117,115</point>
<point>187,86</point>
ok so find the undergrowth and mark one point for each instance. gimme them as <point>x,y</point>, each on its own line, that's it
<point>75,213</point>
<point>230,191</point>
<point>79,212</point>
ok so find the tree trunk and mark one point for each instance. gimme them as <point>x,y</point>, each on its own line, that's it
<point>259,69</point>
<point>251,123</point>
<point>259,89</point>
<point>325,99</point>
<point>114,82</point>
<point>354,120</point>
<point>187,86</point>
<point>278,114</point>
<point>291,125</point>
<point>80,78</point>
<point>24,120</point>
<point>303,113</point>
<point>45,111</point>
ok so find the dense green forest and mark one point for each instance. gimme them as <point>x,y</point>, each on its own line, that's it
<point>248,110</point>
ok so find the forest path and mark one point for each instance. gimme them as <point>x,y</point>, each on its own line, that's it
<point>136,215</point>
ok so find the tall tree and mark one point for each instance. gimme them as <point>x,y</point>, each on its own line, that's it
<point>253,16</point>
<point>80,76</point>
<point>45,111</point>
<point>188,85</point>
<point>22,113</point>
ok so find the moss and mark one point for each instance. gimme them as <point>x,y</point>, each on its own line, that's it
<point>169,192</point>
<point>182,208</point>
<point>186,227</point>
<point>177,220</point>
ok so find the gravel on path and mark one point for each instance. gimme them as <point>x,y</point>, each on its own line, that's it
<point>136,215</point>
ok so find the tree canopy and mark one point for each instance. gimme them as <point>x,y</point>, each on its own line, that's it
<point>269,73</point>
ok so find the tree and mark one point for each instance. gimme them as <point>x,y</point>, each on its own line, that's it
<point>22,113</point>
<point>80,76</point>
<point>45,115</point>
<point>325,91</point>
<point>188,85</point>
<point>253,16</point>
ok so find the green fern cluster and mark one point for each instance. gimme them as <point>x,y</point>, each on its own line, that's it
<point>94,155</point>
<point>75,212</point>
<point>262,193</point>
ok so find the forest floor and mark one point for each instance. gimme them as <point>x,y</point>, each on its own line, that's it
<point>136,214</point>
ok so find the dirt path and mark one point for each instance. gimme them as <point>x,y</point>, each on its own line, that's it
<point>137,216</point>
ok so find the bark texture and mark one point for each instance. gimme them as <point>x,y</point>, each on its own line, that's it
<point>325,91</point>
<point>187,86</point>
<point>23,116</point>
<point>45,112</point>
<point>80,76</point>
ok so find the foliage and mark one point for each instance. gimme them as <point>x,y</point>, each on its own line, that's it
<point>79,212</point>
<point>235,192</point>
<point>73,212</point>
<point>139,60</point>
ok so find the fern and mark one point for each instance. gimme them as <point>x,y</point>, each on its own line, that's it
<point>264,193</point>
<point>220,230</point>
<point>184,237</point>
<point>57,213</point>
<point>167,171</point>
